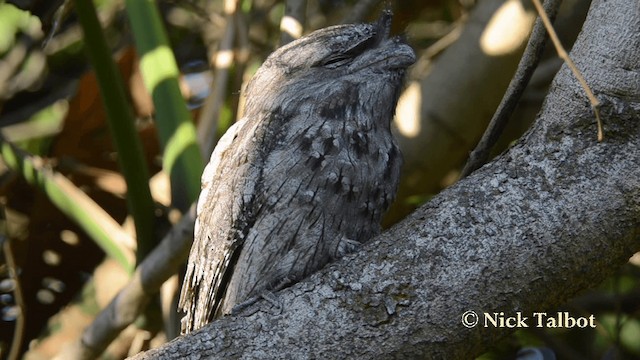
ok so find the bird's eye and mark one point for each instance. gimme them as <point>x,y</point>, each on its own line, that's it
<point>362,46</point>
<point>335,60</point>
<point>342,58</point>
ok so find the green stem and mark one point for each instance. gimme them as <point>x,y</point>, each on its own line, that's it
<point>74,203</point>
<point>182,159</point>
<point>121,124</point>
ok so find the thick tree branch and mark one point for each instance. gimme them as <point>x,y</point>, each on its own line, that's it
<point>554,215</point>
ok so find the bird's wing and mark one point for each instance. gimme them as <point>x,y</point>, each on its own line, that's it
<point>223,218</point>
<point>320,193</point>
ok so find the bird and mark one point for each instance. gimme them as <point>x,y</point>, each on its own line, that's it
<point>305,175</point>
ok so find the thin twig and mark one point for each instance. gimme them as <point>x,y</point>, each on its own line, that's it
<point>526,67</point>
<point>449,38</point>
<point>60,15</point>
<point>562,53</point>
<point>18,334</point>
<point>223,59</point>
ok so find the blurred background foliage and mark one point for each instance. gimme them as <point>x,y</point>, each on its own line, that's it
<point>63,193</point>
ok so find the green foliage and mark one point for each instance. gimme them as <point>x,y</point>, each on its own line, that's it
<point>121,124</point>
<point>182,159</point>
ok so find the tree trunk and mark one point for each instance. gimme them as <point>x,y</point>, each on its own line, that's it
<point>554,215</point>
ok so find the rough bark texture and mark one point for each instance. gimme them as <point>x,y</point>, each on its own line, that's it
<point>306,175</point>
<point>554,215</point>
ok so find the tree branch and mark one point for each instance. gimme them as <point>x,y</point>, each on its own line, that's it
<point>554,215</point>
<point>164,261</point>
<point>526,67</point>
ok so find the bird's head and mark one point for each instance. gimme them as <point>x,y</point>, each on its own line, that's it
<point>321,63</point>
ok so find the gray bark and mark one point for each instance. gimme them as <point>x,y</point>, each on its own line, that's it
<point>554,215</point>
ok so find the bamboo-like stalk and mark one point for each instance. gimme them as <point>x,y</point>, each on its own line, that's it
<point>182,159</point>
<point>121,124</point>
<point>74,203</point>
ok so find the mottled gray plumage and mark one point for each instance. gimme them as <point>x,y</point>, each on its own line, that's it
<point>305,175</point>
